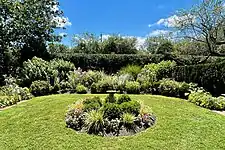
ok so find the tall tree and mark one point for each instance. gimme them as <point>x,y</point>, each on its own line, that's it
<point>204,23</point>
<point>25,28</point>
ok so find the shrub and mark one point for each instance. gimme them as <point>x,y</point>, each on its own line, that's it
<point>8,100</point>
<point>158,71</point>
<point>206,100</point>
<point>40,88</point>
<point>132,107</point>
<point>169,87</point>
<point>90,77</point>
<point>104,85</point>
<point>75,119</point>
<point>92,103</point>
<point>128,120</point>
<point>111,111</point>
<point>123,98</point>
<point>133,70</point>
<point>39,69</point>
<point>121,81</point>
<point>95,122</point>
<point>132,87</point>
<point>81,89</point>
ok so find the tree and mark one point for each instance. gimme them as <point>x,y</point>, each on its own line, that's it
<point>86,43</point>
<point>204,23</point>
<point>25,28</point>
<point>154,43</point>
<point>119,45</point>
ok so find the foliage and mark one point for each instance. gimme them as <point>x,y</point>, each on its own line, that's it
<point>95,122</point>
<point>203,23</point>
<point>206,100</point>
<point>208,76</point>
<point>39,69</point>
<point>133,70</point>
<point>81,89</point>
<point>128,120</point>
<point>123,98</point>
<point>107,83</point>
<point>121,81</point>
<point>132,107</point>
<point>26,26</point>
<point>132,87</point>
<point>92,104</point>
<point>165,48</point>
<point>90,77</point>
<point>112,111</point>
<point>75,119</point>
<point>173,88</point>
<point>119,45</point>
<point>108,62</point>
<point>40,88</point>
<point>11,93</point>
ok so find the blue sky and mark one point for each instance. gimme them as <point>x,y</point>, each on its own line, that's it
<point>126,17</point>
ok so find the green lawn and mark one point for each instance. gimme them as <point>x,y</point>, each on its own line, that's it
<point>39,124</point>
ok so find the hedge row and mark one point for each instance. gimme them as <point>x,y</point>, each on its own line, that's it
<point>209,76</point>
<point>113,62</point>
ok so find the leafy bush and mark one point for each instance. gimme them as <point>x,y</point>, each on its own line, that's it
<point>132,87</point>
<point>206,100</point>
<point>123,98</point>
<point>112,111</point>
<point>95,122</point>
<point>169,87</point>
<point>132,107</point>
<point>8,100</point>
<point>75,119</point>
<point>81,89</point>
<point>133,70</point>
<point>158,71</point>
<point>11,93</point>
<point>121,81</point>
<point>107,83</point>
<point>40,88</point>
<point>90,77</point>
<point>39,69</point>
<point>92,103</point>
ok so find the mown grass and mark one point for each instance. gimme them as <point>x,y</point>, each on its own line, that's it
<point>39,124</point>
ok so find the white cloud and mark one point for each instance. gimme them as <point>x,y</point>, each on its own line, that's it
<point>173,21</point>
<point>159,32</point>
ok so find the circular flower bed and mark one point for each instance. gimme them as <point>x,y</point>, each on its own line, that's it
<point>111,116</point>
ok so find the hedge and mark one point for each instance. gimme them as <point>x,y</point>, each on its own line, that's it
<point>209,76</point>
<point>109,62</point>
<point>113,62</point>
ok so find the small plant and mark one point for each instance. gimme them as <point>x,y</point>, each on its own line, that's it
<point>95,122</point>
<point>133,70</point>
<point>123,98</point>
<point>132,87</point>
<point>132,107</point>
<point>111,111</point>
<point>81,89</point>
<point>92,104</point>
<point>40,88</point>
<point>169,87</point>
<point>128,120</point>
